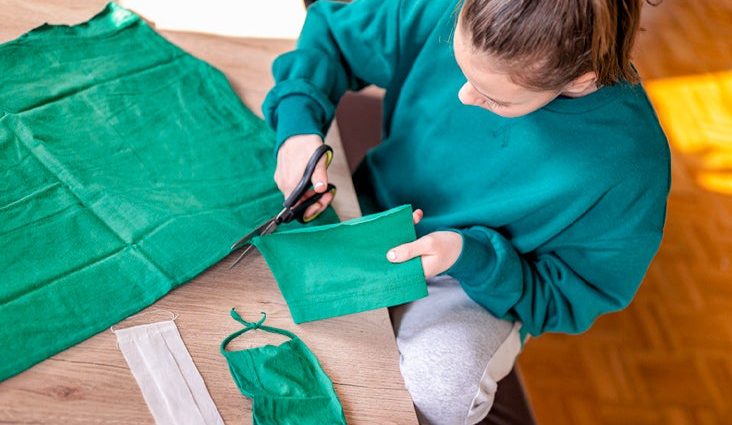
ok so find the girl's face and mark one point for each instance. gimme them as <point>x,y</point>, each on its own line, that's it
<point>488,87</point>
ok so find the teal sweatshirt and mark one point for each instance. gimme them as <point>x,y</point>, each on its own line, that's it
<point>561,210</point>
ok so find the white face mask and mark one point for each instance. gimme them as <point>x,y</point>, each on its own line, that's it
<point>171,385</point>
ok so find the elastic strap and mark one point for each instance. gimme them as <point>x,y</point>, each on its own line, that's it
<point>173,316</point>
<point>249,326</point>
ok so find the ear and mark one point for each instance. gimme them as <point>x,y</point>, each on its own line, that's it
<point>584,84</point>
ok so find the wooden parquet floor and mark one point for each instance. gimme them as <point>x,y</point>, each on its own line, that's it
<point>667,359</point>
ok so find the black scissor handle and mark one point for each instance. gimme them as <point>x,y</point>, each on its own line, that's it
<point>305,183</point>
<point>298,212</point>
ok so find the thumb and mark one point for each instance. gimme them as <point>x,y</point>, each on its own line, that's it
<point>320,176</point>
<point>406,251</point>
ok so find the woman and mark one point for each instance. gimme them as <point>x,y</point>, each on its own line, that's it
<point>520,131</point>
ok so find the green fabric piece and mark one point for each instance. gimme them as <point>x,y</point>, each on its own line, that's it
<point>338,269</point>
<point>128,167</point>
<point>560,210</point>
<point>286,383</point>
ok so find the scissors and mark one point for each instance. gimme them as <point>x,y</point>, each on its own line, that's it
<point>292,210</point>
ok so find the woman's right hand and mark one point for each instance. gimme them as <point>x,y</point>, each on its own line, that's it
<point>292,158</point>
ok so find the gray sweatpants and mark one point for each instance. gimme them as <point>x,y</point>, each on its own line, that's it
<point>453,352</point>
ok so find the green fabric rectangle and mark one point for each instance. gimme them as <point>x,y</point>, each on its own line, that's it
<point>337,269</point>
<point>128,167</point>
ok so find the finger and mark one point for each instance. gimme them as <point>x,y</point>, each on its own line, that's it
<point>286,191</point>
<point>319,206</point>
<point>285,186</point>
<point>417,216</point>
<point>280,182</point>
<point>407,251</point>
<point>308,194</point>
<point>320,176</point>
<point>429,266</point>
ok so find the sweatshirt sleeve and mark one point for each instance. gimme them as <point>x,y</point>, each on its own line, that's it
<point>343,46</point>
<point>566,285</point>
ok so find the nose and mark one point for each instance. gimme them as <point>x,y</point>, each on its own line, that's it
<point>466,95</point>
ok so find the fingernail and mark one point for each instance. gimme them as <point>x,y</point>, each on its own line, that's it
<point>391,255</point>
<point>318,184</point>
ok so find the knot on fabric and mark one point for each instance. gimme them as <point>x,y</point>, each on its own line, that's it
<point>249,325</point>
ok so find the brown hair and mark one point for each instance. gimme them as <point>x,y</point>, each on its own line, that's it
<point>545,44</point>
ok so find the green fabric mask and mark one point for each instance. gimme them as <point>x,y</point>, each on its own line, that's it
<point>128,167</point>
<point>337,269</point>
<point>286,383</point>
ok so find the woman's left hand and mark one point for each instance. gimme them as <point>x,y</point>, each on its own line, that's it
<point>439,250</point>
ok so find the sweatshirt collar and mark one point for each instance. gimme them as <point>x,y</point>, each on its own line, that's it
<point>601,97</point>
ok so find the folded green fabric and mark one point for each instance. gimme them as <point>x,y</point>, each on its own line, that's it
<point>128,167</point>
<point>337,269</point>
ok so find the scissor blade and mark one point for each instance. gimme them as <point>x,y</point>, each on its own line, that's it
<point>266,229</point>
<point>257,231</point>
<point>269,229</point>
<point>241,256</point>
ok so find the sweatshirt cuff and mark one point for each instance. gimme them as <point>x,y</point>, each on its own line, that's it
<point>475,259</point>
<point>296,115</point>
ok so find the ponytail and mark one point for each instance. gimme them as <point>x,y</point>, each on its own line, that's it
<point>615,25</point>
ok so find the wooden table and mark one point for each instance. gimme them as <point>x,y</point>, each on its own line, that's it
<point>91,383</point>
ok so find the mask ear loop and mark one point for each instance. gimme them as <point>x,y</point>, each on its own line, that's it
<point>173,316</point>
<point>249,326</point>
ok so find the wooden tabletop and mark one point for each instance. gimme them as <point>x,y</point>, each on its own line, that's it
<point>91,383</point>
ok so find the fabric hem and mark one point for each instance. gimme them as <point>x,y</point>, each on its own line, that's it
<point>300,317</point>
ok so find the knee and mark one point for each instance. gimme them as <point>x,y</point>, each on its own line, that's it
<point>446,392</point>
